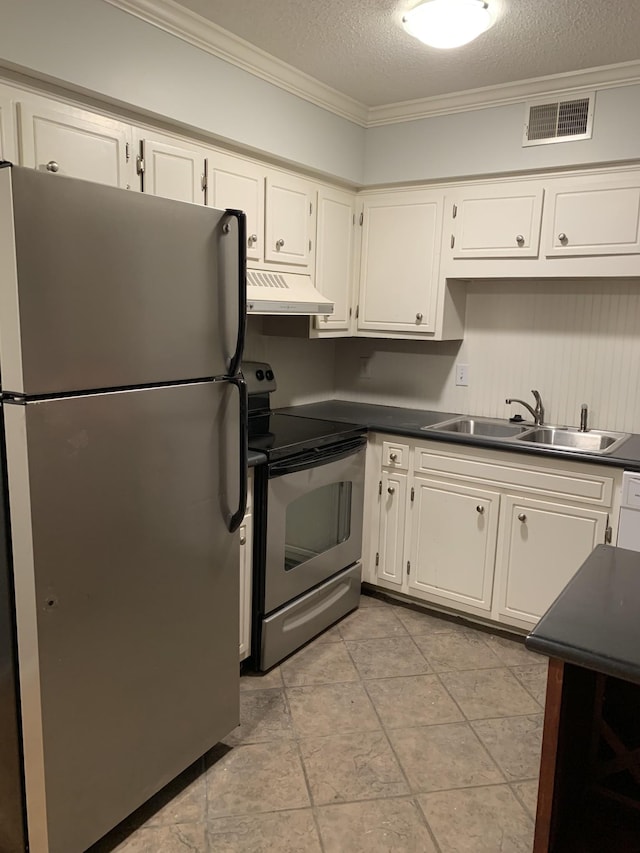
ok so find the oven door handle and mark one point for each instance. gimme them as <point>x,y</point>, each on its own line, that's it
<point>316,458</point>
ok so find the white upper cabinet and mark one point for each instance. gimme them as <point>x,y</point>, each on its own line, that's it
<point>496,221</point>
<point>400,262</point>
<point>74,142</point>
<point>172,171</point>
<point>334,256</point>
<point>289,221</point>
<point>239,184</point>
<point>7,127</point>
<point>593,218</point>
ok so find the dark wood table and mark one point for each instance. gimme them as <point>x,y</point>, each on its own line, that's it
<point>589,795</point>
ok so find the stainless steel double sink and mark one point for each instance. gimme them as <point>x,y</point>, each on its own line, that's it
<point>554,437</point>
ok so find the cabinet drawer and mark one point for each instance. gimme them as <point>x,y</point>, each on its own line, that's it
<point>563,485</point>
<point>395,455</point>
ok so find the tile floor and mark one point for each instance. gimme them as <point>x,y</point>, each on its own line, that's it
<point>394,731</point>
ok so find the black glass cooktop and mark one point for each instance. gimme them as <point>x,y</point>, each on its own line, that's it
<point>279,436</point>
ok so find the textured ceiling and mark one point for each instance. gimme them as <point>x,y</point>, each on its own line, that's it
<point>360,48</point>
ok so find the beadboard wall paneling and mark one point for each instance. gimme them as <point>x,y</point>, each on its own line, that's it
<point>575,341</point>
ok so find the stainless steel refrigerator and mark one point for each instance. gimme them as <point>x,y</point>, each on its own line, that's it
<point>122,321</point>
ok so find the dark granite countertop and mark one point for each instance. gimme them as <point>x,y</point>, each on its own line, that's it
<point>594,621</point>
<point>400,421</point>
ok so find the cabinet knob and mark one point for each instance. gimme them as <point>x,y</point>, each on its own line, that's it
<point>390,489</point>
<point>52,166</point>
<point>393,457</point>
<point>279,243</point>
<point>480,509</point>
<point>520,240</point>
<point>253,238</point>
<point>562,237</point>
<point>419,317</point>
<point>243,540</point>
<point>522,516</point>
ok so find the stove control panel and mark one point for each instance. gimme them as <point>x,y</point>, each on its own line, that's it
<point>259,377</point>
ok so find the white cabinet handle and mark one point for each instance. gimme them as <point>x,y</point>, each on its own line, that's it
<point>52,166</point>
<point>562,237</point>
<point>253,238</point>
<point>279,243</point>
<point>480,509</point>
<point>520,240</point>
<point>522,516</point>
<point>419,317</point>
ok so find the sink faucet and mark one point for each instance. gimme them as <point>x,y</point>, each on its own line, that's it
<point>538,413</point>
<point>584,414</point>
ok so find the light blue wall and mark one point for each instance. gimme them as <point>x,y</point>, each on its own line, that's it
<point>487,141</point>
<point>91,45</point>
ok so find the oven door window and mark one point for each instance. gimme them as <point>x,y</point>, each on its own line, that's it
<point>316,522</point>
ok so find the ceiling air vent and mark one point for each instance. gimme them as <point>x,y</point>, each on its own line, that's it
<point>559,121</point>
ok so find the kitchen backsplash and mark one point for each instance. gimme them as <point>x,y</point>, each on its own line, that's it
<point>575,341</point>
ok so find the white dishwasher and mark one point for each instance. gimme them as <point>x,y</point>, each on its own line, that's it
<point>629,525</point>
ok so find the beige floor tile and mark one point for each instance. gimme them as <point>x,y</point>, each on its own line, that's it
<point>371,601</point>
<point>441,757</point>
<point>369,623</point>
<point>257,778</point>
<point>387,657</point>
<point>478,820</point>
<point>415,700</point>
<point>264,716</point>
<point>261,680</point>
<point>534,678</point>
<point>512,652</point>
<point>188,805</point>
<point>278,832</point>
<point>514,743</point>
<point>418,623</point>
<point>457,651</point>
<point>319,663</point>
<point>380,826</point>
<point>331,635</point>
<point>486,693</point>
<point>179,838</point>
<point>325,709</point>
<point>351,767</point>
<point>528,793</point>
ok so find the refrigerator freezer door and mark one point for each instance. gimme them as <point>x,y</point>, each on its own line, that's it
<point>126,597</point>
<point>104,288</point>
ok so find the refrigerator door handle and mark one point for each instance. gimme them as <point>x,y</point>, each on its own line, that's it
<point>234,520</point>
<point>234,364</point>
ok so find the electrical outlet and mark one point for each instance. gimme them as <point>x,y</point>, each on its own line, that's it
<point>365,367</point>
<point>462,374</point>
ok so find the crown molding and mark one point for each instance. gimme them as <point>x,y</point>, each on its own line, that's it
<point>205,35</point>
<point>174,19</point>
<point>605,77</point>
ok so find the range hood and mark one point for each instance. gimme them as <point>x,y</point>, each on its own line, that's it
<point>284,293</point>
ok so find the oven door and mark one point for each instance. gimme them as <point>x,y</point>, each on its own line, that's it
<point>314,519</point>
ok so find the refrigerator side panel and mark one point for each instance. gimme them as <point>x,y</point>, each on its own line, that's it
<point>27,626</point>
<point>136,588</point>
<point>10,344</point>
<point>119,289</point>
<point>12,835</point>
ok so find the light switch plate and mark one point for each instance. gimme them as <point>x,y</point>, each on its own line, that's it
<point>462,374</point>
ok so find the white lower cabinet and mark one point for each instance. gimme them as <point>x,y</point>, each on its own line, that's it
<point>541,546</point>
<point>490,533</point>
<point>246,570</point>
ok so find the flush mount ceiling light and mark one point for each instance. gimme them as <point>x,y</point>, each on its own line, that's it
<point>448,23</point>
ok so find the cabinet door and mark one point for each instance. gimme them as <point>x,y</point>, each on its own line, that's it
<point>289,221</point>
<point>400,262</point>
<point>7,131</point>
<point>75,143</point>
<point>173,171</point>
<point>601,218</point>
<point>453,542</point>
<point>239,184</point>
<point>541,547</point>
<point>497,222</point>
<point>391,534</point>
<point>334,256</point>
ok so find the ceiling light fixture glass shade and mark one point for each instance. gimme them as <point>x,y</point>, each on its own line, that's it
<point>448,23</point>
